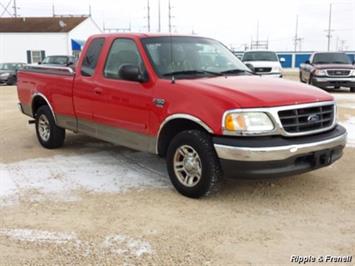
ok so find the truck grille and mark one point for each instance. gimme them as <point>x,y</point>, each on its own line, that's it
<point>307,119</point>
<point>338,72</point>
<point>262,69</point>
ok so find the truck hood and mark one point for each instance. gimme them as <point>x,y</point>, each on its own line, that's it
<point>255,91</point>
<point>334,66</point>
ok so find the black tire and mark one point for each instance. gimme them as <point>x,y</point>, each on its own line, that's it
<point>352,89</point>
<point>301,79</point>
<point>11,81</point>
<point>310,80</point>
<point>56,134</point>
<point>211,171</point>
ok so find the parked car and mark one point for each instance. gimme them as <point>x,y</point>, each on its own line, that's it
<point>190,100</point>
<point>329,70</point>
<point>264,63</point>
<point>59,60</point>
<point>8,72</point>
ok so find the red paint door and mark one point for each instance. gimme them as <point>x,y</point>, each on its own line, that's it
<point>123,104</point>
<point>85,93</point>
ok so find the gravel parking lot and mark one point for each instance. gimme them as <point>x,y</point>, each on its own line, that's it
<point>91,202</point>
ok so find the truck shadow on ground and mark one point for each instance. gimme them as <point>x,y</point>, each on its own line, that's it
<point>308,183</point>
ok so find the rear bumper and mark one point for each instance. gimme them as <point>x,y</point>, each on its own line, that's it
<point>277,156</point>
<point>324,82</point>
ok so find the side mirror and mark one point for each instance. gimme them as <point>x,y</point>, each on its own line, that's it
<point>282,60</point>
<point>354,62</point>
<point>251,67</point>
<point>308,62</point>
<point>40,62</point>
<point>131,73</point>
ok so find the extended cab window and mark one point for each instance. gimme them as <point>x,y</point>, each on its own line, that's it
<point>122,52</point>
<point>92,56</point>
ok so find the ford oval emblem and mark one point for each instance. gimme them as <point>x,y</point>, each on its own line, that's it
<point>313,119</point>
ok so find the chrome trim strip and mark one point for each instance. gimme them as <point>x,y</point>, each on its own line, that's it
<point>45,98</point>
<point>326,79</point>
<point>276,153</point>
<point>272,112</point>
<point>181,116</point>
<point>56,70</point>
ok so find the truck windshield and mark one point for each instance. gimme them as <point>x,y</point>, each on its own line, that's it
<point>10,66</point>
<point>181,57</point>
<point>331,58</point>
<point>260,56</point>
<point>56,60</point>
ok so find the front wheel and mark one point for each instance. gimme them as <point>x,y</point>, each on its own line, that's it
<point>48,133</point>
<point>301,77</point>
<point>352,89</point>
<point>193,165</point>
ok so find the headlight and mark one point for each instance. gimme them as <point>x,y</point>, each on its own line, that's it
<point>352,73</point>
<point>320,73</point>
<point>239,123</point>
<point>4,75</point>
<point>276,69</point>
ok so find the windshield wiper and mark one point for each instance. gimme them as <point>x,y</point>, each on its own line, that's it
<point>192,72</point>
<point>235,71</point>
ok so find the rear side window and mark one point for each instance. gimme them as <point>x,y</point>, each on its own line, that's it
<point>92,57</point>
<point>122,52</point>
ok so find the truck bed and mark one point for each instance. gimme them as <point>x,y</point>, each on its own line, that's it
<point>53,83</point>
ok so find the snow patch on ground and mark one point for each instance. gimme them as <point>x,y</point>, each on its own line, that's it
<point>350,127</point>
<point>350,97</point>
<point>57,178</point>
<point>346,105</point>
<point>121,244</point>
<point>38,236</point>
<point>117,244</point>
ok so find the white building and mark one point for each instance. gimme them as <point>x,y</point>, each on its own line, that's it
<point>30,39</point>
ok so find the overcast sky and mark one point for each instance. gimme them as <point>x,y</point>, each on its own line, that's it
<point>233,22</point>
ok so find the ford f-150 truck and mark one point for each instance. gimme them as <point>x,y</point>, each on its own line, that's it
<point>329,70</point>
<point>188,99</point>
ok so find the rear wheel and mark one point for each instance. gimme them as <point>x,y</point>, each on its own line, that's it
<point>193,165</point>
<point>11,81</point>
<point>48,133</point>
<point>352,89</point>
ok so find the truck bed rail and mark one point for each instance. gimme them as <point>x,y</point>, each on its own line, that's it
<point>53,70</point>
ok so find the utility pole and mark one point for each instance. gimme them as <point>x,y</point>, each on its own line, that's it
<point>296,34</point>
<point>53,10</point>
<point>297,39</point>
<point>329,35</point>
<point>15,9</point>
<point>148,15</point>
<point>159,17</point>
<point>257,33</point>
<point>170,17</point>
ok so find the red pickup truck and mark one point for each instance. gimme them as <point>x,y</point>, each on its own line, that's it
<point>188,99</point>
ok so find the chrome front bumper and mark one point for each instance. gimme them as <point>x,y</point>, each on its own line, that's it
<point>334,79</point>
<point>278,153</point>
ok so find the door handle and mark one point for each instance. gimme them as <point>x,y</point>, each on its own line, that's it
<point>98,90</point>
